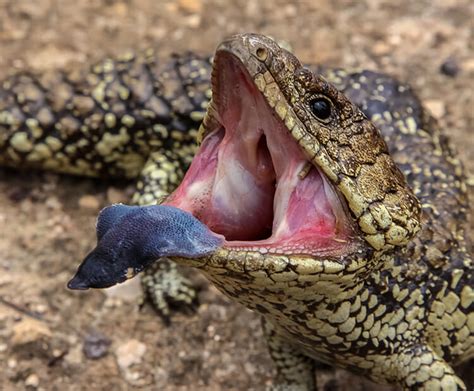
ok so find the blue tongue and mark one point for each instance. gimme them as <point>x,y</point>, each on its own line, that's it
<point>129,238</point>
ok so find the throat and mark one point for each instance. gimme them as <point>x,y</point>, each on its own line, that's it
<point>244,188</point>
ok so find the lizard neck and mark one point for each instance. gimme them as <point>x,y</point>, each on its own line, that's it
<point>260,281</point>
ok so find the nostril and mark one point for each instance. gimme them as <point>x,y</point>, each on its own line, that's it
<point>261,53</point>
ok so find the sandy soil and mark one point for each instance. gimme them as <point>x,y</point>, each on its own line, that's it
<point>53,339</point>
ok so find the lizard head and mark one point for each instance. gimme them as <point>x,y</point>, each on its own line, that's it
<point>289,175</point>
<point>288,165</point>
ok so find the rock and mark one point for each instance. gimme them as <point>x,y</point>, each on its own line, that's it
<point>32,338</point>
<point>96,345</point>
<point>29,331</point>
<point>450,67</point>
<point>89,202</point>
<point>32,381</point>
<point>116,196</point>
<point>436,107</point>
<point>130,353</point>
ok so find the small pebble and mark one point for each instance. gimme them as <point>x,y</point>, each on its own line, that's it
<point>40,308</point>
<point>96,345</point>
<point>28,331</point>
<point>129,353</point>
<point>32,381</point>
<point>450,67</point>
<point>74,356</point>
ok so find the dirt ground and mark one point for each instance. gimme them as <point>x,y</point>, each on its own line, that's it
<point>54,339</point>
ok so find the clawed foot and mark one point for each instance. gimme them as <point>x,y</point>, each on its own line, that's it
<point>168,290</point>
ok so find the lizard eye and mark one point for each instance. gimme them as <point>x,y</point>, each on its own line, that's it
<point>321,108</point>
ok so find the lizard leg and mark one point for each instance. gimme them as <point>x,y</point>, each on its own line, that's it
<point>295,371</point>
<point>167,288</point>
<point>163,284</point>
<point>423,370</point>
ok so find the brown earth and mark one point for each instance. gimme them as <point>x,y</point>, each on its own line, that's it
<point>54,339</point>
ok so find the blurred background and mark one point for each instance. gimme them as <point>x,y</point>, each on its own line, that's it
<point>52,339</point>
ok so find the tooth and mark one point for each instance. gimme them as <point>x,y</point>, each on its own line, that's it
<point>305,170</point>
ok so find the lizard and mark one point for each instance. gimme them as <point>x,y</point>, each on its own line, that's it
<point>381,284</point>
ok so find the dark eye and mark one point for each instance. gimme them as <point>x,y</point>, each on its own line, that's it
<point>321,108</point>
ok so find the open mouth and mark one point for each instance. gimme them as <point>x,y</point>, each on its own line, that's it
<point>253,184</point>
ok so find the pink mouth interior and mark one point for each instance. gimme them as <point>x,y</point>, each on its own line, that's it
<point>244,183</point>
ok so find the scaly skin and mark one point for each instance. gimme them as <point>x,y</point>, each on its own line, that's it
<point>399,309</point>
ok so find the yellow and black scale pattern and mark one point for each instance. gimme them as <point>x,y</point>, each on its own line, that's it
<point>108,122</point>
<point>137,117</point>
